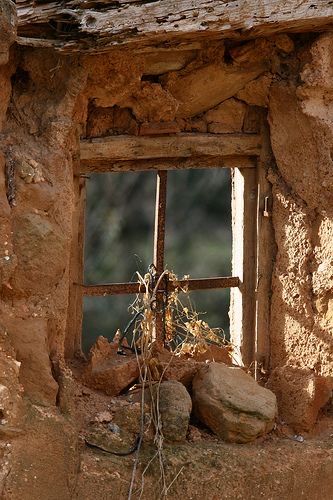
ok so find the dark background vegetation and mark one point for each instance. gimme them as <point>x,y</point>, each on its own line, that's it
<point>119,240</point>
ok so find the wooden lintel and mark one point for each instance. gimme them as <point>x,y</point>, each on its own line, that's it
<point>114,149</point>
<point>88,27</point>
<point>196,163</point>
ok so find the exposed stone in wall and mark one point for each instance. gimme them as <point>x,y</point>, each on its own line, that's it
<point>256,92</point>
<point>301,395</point>
<point>38,143</point>
<point>211,76</point>
<point>227,117</point>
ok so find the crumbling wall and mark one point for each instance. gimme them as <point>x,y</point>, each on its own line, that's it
<point>40,140</point>
<point>48,101</point>
<point>52,100</point>
<point>301,125</point>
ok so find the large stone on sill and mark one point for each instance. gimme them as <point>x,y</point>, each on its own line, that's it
<point>108,371</point>
<point>175,406</point>
<point>232,404</point>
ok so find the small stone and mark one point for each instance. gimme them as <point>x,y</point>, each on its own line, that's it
<point>104,416</point>
<point>114,427</point>
<point>193,434</point>
<point>284,43</point>
<point>175,406</point>
<point>4,400</point>
<point>214,353</point>
<point>232,404</point>
<point>170,367</point>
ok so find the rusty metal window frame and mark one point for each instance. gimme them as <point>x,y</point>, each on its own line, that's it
<point>158,262</point>
<point>244,155</point>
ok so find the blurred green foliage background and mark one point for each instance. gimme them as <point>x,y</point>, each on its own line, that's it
<point>119,240</point>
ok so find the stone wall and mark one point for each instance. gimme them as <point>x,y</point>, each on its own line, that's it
<point>48,101</point>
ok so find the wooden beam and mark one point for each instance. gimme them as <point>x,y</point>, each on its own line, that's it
<point>129,148</point>
<point>195,162</point>
<point>75,302</point>
<point>244,243</point>
<point>266,252</point>
<point>79,25</point>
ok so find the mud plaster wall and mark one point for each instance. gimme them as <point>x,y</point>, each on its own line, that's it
<point>301,333</point>
<point>48,101</point>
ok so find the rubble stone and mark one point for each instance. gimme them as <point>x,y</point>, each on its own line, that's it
<point>39,245</point>
<point>157,128</point>
<point>232,404</point>
<point>169,367</point>
<point>108,371</point>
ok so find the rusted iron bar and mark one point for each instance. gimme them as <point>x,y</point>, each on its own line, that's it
<point>134,288</point>
<point>160,213</point>
<point>159,244</point>
<point>205,283</point>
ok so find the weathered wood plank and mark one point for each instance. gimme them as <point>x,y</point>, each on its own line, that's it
<point>195,162</point>
<point>244,244</point>
<point>265,253</point>
<point>75,304</point>
<point>89,25</point>
<point>124,148</point>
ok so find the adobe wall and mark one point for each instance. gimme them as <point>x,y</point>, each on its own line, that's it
<point>301,332</point>
<point>48,101</point>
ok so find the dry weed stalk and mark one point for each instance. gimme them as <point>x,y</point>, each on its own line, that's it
<point>184,334</point>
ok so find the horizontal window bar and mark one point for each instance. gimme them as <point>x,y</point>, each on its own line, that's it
<point>133,288</point>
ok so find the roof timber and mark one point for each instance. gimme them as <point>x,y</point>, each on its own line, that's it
<point>96,25</point>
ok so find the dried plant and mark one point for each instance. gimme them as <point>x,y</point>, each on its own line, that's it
<point>184,330</point>
<point>185,333</point>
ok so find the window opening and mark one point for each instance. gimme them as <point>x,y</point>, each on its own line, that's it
<point>160,278</point>
<point>118,223</point>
